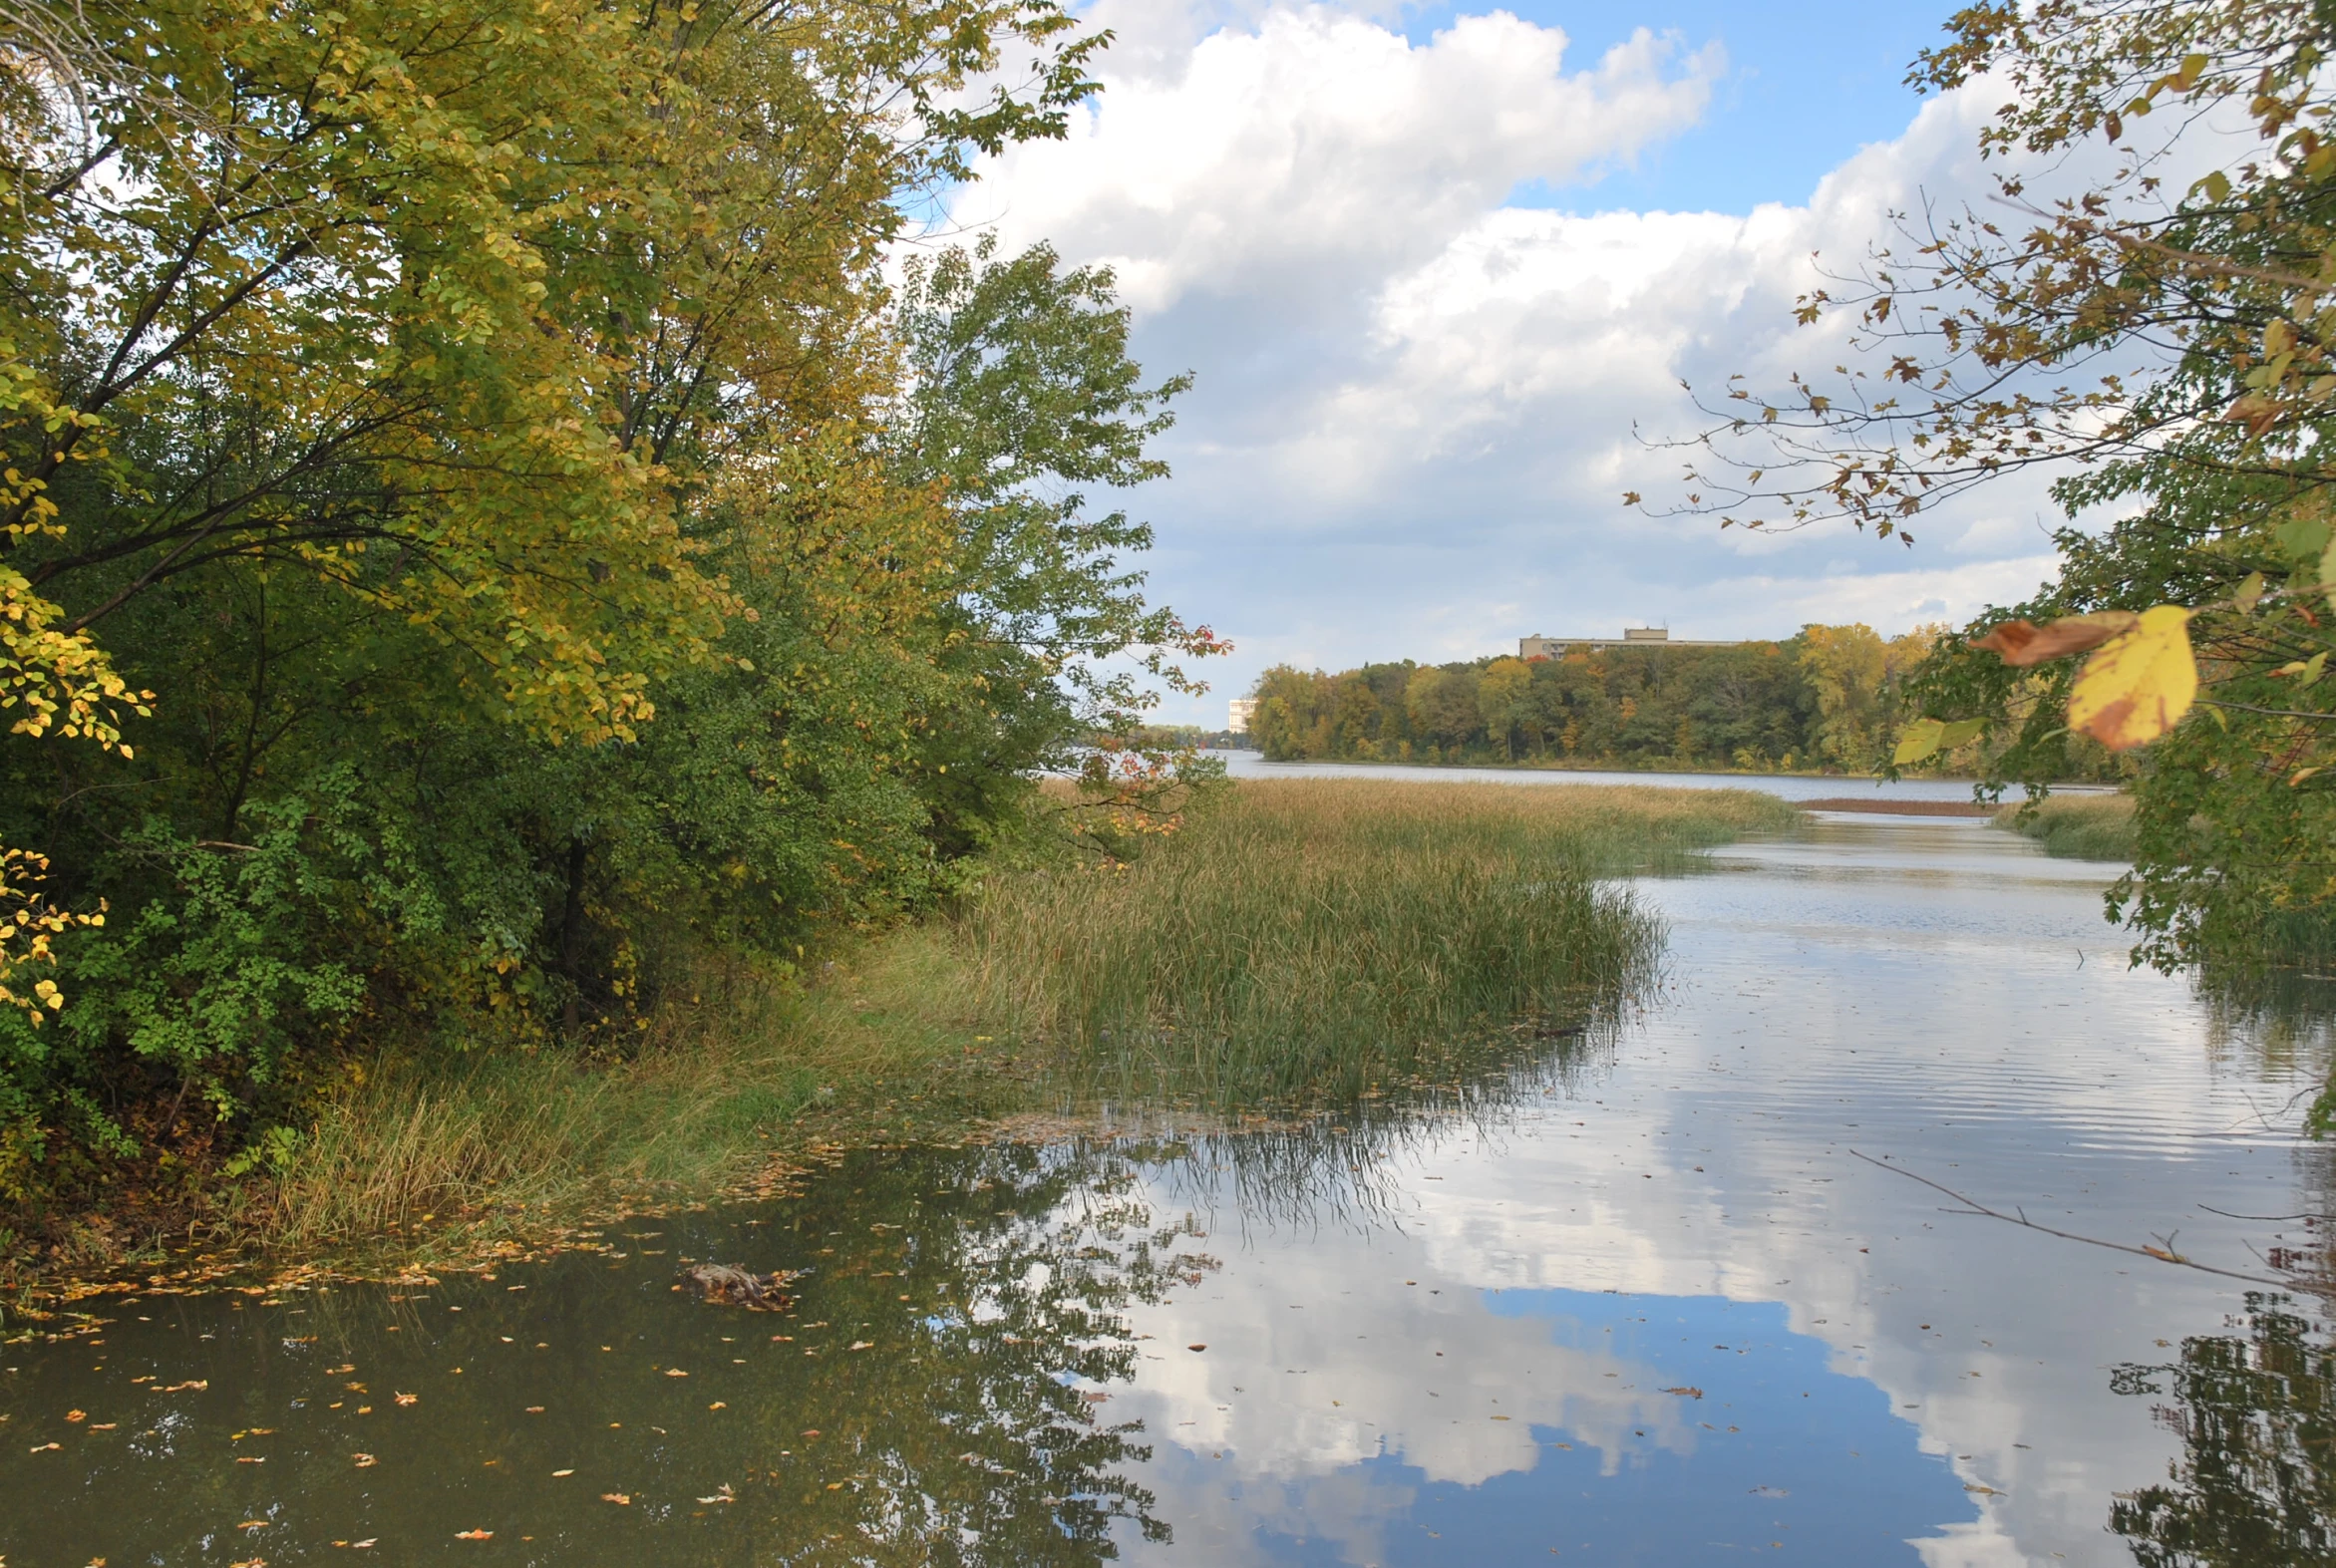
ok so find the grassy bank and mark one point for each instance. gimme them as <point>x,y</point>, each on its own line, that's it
<point>1292,941</point>
<point>2075,826</point>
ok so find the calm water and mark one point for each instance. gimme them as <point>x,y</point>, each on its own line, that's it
<point>1252,764</point>
<point>1637,1305</point>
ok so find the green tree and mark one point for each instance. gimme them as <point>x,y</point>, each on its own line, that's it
<point>1504,701</point>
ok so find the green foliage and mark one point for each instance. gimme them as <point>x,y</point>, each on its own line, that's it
<point>553,558</point>
<point>1827,699</point>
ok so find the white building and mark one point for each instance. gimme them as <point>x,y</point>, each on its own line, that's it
<point>1238,712</point>
<point>1539,646</point>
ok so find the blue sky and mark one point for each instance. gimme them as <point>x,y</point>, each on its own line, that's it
<point>1439,280</point>
<point>1807,86</point>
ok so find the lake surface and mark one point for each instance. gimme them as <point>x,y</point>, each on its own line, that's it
<point>1793,787</point>
<point>1635,1303</point>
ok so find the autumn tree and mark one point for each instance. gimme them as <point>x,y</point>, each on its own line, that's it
<point>552,552</point>
<point>2160,341</point>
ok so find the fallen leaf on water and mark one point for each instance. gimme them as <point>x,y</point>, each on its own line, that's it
<point>721,1494</point>
<point>46,1446</point>
<point>361,1545</point>
<point>616,1497</point>
<point>1195,1346</point>
<point>409,1398</point>
<point>718,1404</point>
<point>77,1416</point>
<point>563,1473</point>
<point>863,1345</point>
<point>363,1460</point>
<point>251,1459</point>
<point>251,1562</point>
<point>675,1371</point>
<point>253,1524</point>
<point>1687,1391</point>
<point>473,1535</point>
<point>1985,1491</point>
<point>197,1384</point>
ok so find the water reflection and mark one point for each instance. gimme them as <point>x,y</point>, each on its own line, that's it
<point>931,1400</point>
<point>2255,1484</point>
<point>1620,1300</point>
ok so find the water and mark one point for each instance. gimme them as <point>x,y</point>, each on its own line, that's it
<point>1793,787</point>
<point>1638,1304</point>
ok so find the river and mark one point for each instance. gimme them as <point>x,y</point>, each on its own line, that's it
<point>1792,786</point>
<point>1635,1303</point>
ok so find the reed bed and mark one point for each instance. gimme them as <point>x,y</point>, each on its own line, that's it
<point>2075,826</point>
<point>1302,941</point>
<point>1318,939</point>
<point>506,1142</point>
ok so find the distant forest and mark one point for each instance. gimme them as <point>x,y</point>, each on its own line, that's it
<point>1827,699</point>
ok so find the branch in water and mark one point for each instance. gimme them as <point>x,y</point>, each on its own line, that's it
<point>2160,1254</point>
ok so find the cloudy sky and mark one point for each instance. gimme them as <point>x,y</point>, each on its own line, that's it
<point>1432,267</point>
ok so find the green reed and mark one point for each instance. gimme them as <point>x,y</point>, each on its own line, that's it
<point>1316,939</point>
<point>2075,826</point>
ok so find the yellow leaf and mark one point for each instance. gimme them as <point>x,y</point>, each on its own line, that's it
<point>1917,741</point>
<point>2140,684</point>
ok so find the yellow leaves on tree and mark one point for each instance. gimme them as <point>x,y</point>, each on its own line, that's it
<point>2136,686</point>
<point>28,923</point>
<point>2140,684</point>
<point>53,681</point>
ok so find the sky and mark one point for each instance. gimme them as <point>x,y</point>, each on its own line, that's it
<point>1439,273</point>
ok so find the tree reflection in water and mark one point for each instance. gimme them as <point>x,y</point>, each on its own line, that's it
<point>2255,1486</point>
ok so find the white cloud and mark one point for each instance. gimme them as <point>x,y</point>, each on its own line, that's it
<point>1418,405</point>
<point>1317,148</point>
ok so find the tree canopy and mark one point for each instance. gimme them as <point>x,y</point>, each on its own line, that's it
<point>479,534</point>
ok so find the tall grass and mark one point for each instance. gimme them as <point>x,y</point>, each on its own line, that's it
<point>508,1142</point>
<point>1315,939</point>
<point>1295,941</point>
<point>2075,826</point>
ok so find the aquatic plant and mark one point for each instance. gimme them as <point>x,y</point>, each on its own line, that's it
<point>2075,826</point>
<point>1317,938</point>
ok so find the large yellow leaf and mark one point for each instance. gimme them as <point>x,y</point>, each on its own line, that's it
<point>2140,684</point>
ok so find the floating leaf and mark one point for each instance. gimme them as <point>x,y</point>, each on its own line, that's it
<point>2023,643</point>
<point>363,1460</point>
<point>618,1498</point>
<point>473,1535</point>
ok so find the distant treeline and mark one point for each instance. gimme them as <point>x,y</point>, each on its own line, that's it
<point>1827,699</point>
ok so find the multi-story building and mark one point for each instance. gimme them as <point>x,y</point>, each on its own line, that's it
<point>1238,713</point>
<point>1539,646</point>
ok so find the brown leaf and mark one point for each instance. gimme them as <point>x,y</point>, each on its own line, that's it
<point>473,1535</point>
<point>2022,643</point>
<point>616,1497</point>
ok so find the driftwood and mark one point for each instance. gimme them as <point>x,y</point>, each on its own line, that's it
<point>729,1286</point>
